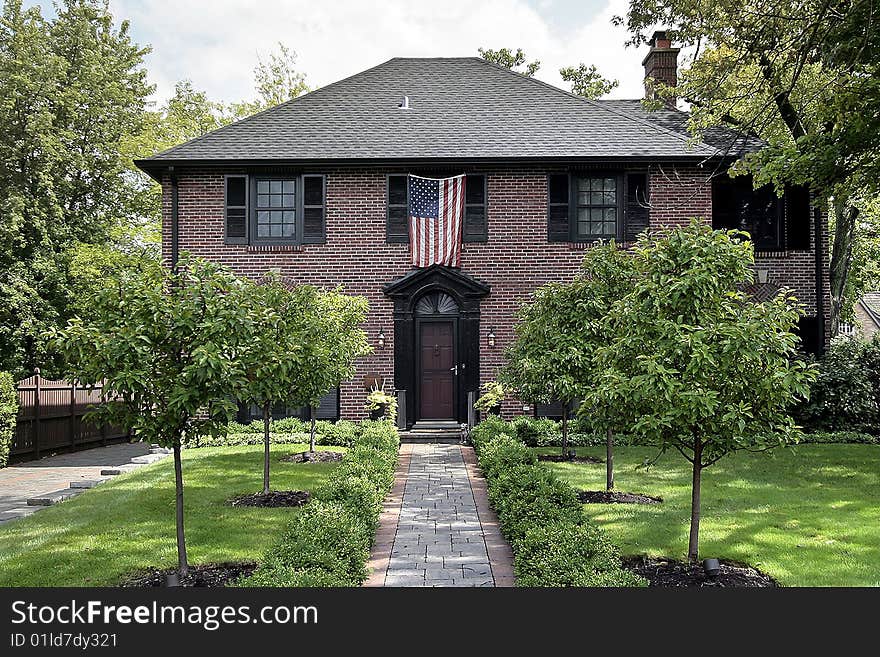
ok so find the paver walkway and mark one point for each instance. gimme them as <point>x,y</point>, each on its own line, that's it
<point>434,531</point>
<point>22,481</point>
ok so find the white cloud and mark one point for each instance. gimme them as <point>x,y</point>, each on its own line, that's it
<point>215,43</point>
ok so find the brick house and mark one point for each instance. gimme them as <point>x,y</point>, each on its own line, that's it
<point>315,189</point>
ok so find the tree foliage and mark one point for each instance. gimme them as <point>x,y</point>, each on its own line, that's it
<point>691,363</point>
<point>803,76</point>
<point>509,59</point>
<point>586,81</point>
<point>73,88</point>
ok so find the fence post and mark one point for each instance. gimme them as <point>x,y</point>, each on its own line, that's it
<point>73,413</point>
<point>36,412</point>
<point>103,422</point>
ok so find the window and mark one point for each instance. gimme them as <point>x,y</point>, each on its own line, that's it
<point>328,409</point>
<point>475,227</point>
<point>236,210</point>
<point>275,210</point>
<point>397,221</point>
<point>596,208</point>
<point>583,208</point>
<point>774,223</point>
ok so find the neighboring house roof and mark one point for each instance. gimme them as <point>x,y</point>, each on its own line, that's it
<point>871,303</point>
<point>463,109</point>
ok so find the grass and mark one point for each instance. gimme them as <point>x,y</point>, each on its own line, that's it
<point>808,516</point>
<point>126,525</point>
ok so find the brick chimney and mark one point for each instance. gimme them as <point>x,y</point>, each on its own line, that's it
<point>661,63</point>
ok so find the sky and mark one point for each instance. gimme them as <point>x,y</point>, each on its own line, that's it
<point>216,43</point>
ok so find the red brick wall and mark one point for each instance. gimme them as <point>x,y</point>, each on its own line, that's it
<point>516,259</point>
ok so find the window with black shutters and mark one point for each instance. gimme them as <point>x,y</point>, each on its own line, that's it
<point>396,221</point>
<point>236,210</point>
<point>760,212</point>
<point>287,209</point>
<point>476,227</point>
<point>584,207</point>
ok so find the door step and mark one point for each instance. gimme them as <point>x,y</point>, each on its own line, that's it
<point>442,436</point>
<point>434,425</point>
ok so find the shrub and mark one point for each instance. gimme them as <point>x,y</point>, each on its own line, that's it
<point>563,554</point>
<point>8,415</point>
<point>328,542</point>
<point>846,394</point>
<point>537,432</point>
<point>535,509</point>
<point>840,437</point>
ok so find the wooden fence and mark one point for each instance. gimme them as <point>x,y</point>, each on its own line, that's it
<point>50,418</point>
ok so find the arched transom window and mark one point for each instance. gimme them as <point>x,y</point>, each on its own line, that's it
<point>436,303</point>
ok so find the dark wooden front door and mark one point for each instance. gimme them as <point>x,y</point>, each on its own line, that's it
<point>437,375</point>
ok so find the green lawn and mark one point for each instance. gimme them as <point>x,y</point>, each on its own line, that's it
<point>127,524</point>
<point>808,516</point>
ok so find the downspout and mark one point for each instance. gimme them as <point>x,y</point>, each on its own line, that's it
<point>820,283</point>
<point>175,223</point>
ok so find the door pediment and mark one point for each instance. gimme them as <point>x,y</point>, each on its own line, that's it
<point>466,291</point>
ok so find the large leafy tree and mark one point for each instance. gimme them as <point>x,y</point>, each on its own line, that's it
<point>73,87</point>
<point>165,343</point>
<point>803,76</point>
<point>277,80</point>
<point>691,363</point>
<point>552,356</point>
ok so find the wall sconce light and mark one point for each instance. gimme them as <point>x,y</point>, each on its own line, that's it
<point>491,337</point>
<point>381,339</point>
<point>763,275</point>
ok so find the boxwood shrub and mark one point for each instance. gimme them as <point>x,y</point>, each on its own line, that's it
<point>8,415</point>
<point>328,542</point>
<point>554,543</point>
<point>286,431</point>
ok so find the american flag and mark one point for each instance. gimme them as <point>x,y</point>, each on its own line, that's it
<point>436,207</point>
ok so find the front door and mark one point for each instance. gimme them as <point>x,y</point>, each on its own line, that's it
<point>437,370</point>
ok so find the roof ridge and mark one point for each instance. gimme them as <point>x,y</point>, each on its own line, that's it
<point>596,103</point>
<point>271,109</point>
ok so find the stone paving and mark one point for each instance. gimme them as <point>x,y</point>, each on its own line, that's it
<point>439,537</point>
<point>55,474</point>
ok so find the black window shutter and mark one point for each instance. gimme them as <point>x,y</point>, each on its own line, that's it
<point>476,225</point>
<point>236,210</point>
<point>725,204</point>
<point>397,221</point>
<point>313,205</point>
<point>636,209</point>
<point>797,217</point>
<point>558,208</point>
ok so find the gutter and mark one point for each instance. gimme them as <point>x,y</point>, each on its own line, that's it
<point>820,287</point>
<point>175,220</point>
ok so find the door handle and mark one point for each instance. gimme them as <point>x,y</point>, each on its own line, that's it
<point>454,369</point>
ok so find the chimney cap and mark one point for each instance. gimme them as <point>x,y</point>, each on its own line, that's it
<point>660,40</point>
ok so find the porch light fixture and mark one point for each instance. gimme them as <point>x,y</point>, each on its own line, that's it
<point>381,339</point>
<point>491,338</point>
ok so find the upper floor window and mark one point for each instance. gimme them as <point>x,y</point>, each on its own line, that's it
<point>274,209</point>
<point>475,225</point>
<point>584,207</point>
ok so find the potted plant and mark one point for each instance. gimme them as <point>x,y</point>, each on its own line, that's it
<point>493,394</point>
<point>380,404</point>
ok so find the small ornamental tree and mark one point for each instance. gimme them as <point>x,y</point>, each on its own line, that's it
<point>166,346</point>
<point>276,352</point>
<point>335,340</point>
<point>551,358</point>
<point>692,363</point>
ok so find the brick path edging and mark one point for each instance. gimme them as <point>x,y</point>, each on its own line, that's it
<point>500,554</point>
<point>380,555</point>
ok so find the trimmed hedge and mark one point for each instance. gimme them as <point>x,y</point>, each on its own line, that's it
<point>543,432</point>
<point>554,543</point>
<point>8,415</point>
<point>328,542</point>
<point>839,438</point>
<point>286,431</point>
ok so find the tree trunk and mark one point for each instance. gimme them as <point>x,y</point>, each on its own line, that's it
<point>312,436</point>
<point>845,218</point>
<point>565,431</point>
<point>182,564</point>
<point>267,416</point>
<point>694,538</point>
<point>609,460</point>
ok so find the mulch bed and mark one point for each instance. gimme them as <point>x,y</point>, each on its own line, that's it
<point>207,575</point>
<point>616,497</point>
<point>324,456</point>
<point>559,458</point>
<point>671,573</point>
<point>274,498</point>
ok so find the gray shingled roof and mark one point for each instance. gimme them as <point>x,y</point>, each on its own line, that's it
<point>462,109</point>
